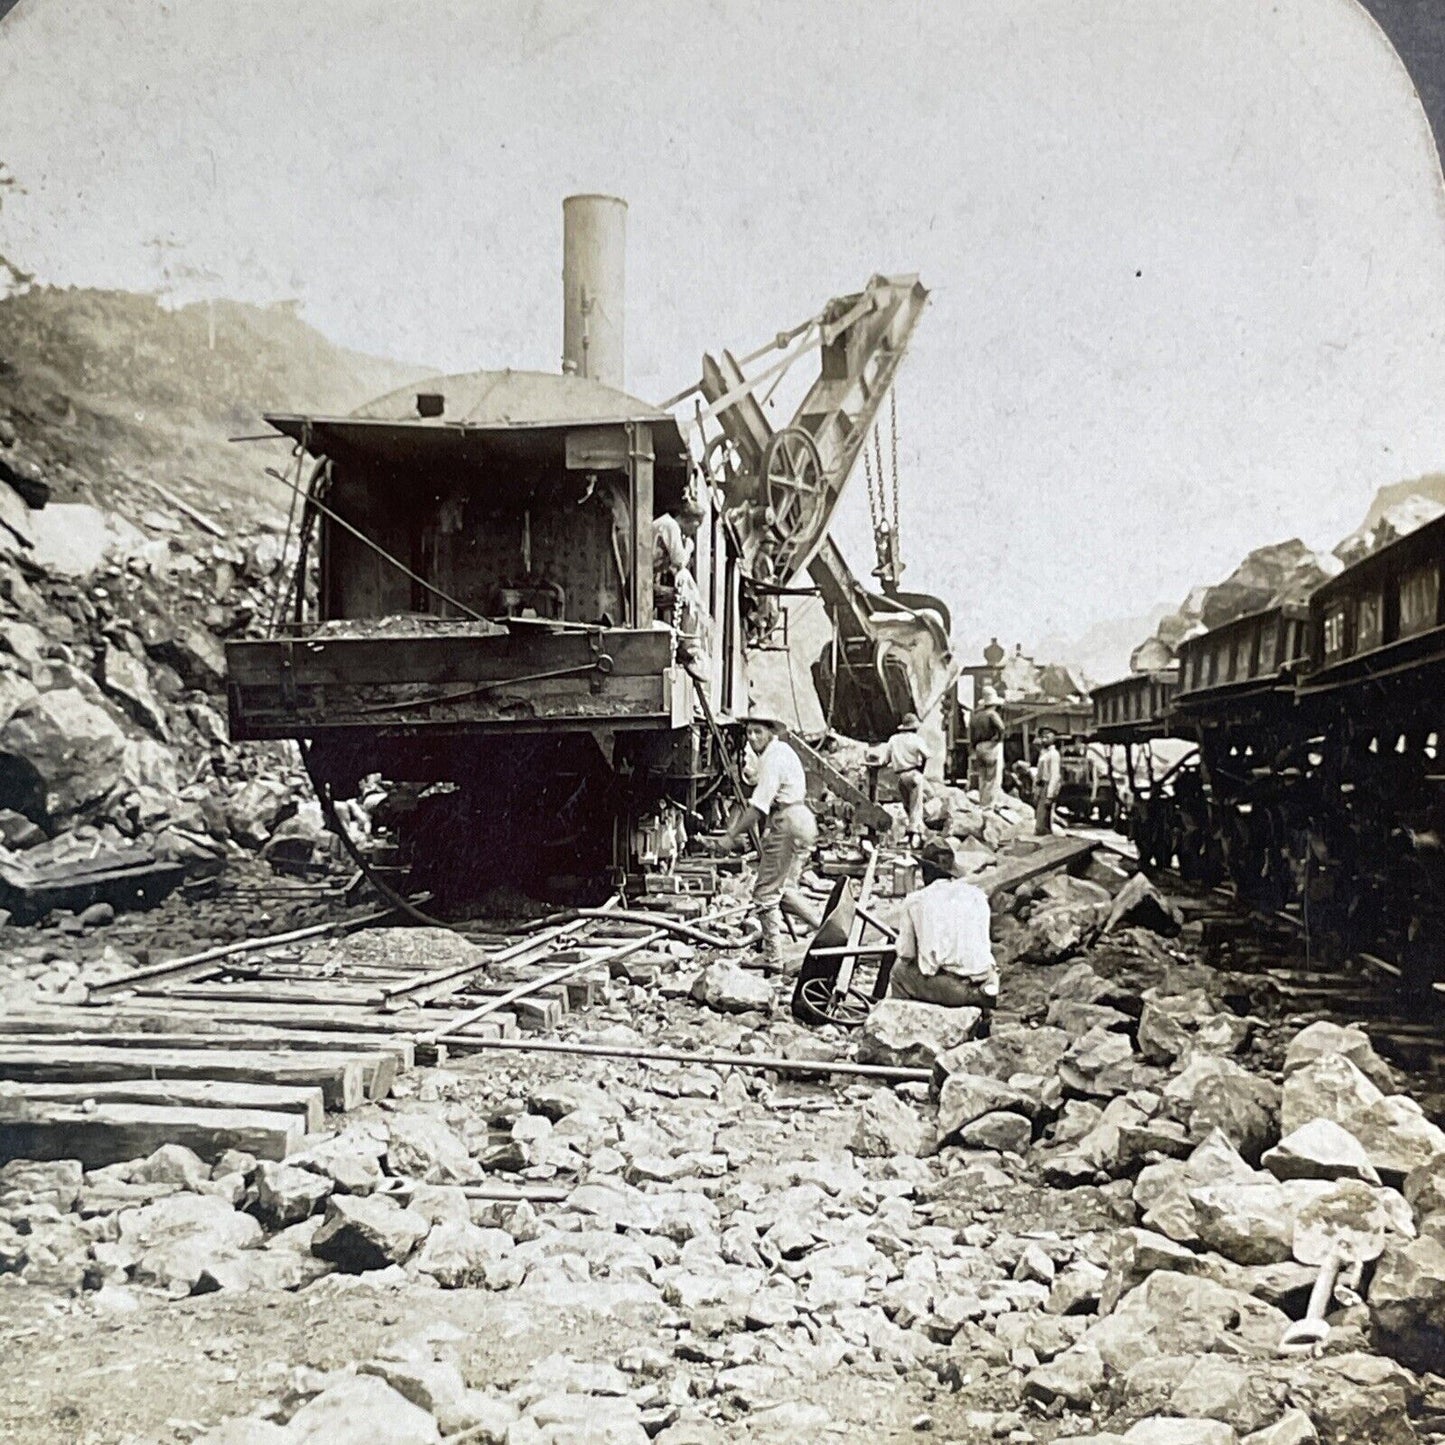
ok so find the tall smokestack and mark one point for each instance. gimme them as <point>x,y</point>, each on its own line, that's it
<point>594,245</point>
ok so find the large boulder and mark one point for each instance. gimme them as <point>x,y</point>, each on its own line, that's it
<point>1138,904</point>
<point>457,1253</point>
<point>253,812</point>
<point>1328,1086</point>
<point>967,1097</point>
<point>1392,1128</point>
<point>1010,1049</point>
<point>66,752</point>
<point>1179,1314</point>
<point>1055,932</point>
<point>1089,1066</point>
<point>194,654</point>
<point>125,678</point>
<point>421,1147</point>
<point>286,1195</point>
<point>361,1410</point>
<point>1212,1093</point>
<point>1322,1037</point>
<point>1407,1304</point>
<point>904,1034</point>
<point>173,1242</point>
<point>888,1127</point>
<point>1248,1223</point>
<point>1320,1149</point>
<point>1424,1187</point>
<point>365,1232</point>
<point>729,989</point>
<point>1357,1399</point>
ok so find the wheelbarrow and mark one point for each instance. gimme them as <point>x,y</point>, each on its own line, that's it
<point>826,991</point>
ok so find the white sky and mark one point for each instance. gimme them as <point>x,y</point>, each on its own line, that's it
<point>1185,257</point>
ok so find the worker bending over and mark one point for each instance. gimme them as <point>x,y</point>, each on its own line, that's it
<point>778,806</point>
<point>944,954</point>
<point>985,748</point>
<point>907,757</point>
<point>1047,782</point>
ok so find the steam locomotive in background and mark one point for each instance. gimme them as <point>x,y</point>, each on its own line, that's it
<point>1315,784</point>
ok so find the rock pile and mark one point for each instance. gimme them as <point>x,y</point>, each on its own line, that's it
<point>1090,1229</point>
<point>112,736</point>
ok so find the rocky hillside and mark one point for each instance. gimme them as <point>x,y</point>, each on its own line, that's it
<point>134,541</point>
<point>104,386</point>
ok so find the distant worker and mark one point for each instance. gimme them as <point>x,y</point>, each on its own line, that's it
<point>1049,779</point>
<point>985,748</point>
<point>908,758</point>
<point>789,830</point>
<point>944,955</point>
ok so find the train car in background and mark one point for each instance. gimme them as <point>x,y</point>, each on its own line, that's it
<point>1319,790</point>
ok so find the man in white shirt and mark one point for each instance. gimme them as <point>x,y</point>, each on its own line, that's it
<point>945,956</point>
<point>789,830</point>
<point>907,757</point>
<point>1049,780</point>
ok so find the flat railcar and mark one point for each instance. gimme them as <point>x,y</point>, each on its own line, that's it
<point>1319,785</point>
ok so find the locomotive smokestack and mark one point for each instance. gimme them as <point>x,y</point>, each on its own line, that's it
<point>594,244</point>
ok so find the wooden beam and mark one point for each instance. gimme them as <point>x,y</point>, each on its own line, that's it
<point>340,1077</point>
<point>306,1103</point>
<point>381,1060</point>
<point>110,1133</point>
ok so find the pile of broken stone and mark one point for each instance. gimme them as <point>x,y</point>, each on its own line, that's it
<point>1085,1228</point>
<point>112,677</point>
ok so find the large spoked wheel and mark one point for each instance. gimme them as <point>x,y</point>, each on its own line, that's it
<point>792,484</point>
<point>814,1002</point>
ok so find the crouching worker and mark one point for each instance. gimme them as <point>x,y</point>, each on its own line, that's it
<point>945,956</point>
<point>778,807</point>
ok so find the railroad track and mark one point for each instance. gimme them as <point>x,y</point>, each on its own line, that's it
<point>249,1045</point>
<point>1271,951</point>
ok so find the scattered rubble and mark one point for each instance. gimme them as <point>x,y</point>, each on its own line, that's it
<point>1086,1229</point>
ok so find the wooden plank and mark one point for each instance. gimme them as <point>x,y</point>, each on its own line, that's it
<point>265,993</point>
<point>1060,853</point>
<point>340,1077</point>
<point>203,1015</point>
<point>451,658</point>
<point>122,1033</point>
<point>110,1133</point>
<point>306,1103</point>
<point>409,1026</point>
<point>823,774</point>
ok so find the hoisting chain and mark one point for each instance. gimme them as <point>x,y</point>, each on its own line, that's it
<point>893,426</point>
<point>875,486</point>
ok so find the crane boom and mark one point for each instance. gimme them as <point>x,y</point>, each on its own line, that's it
<point>781,486</point>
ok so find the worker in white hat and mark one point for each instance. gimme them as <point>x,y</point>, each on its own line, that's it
<point>907,758</point>
<point>779,807</point>
<point>985,748</point>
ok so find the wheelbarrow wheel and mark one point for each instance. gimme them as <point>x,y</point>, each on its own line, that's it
<point>815,1002</point>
